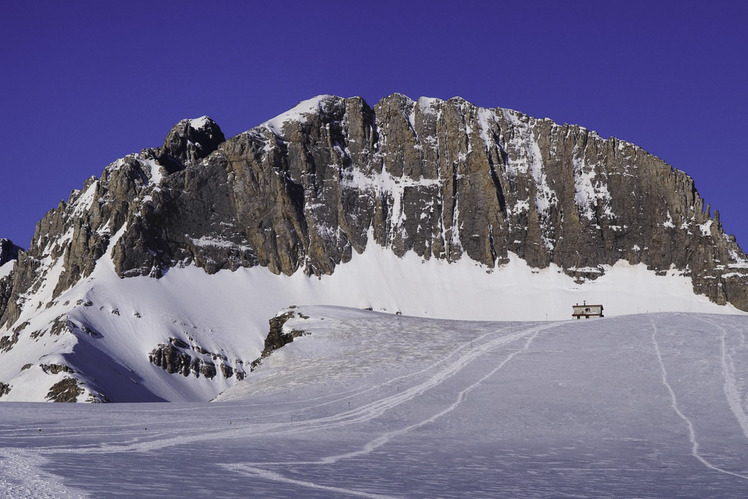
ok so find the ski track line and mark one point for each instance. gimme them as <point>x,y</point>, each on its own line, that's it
<point>730,386</point>
<point>361,414</point>
<point>277,477</point>
<point>674,404</point>
<point>372,445</point>
<point>355,393</point>
<point>379,407</point>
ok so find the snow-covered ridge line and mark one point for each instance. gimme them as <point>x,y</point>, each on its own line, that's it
<point>297,113</point>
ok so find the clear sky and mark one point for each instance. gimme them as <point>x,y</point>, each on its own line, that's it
<point>84,83</point>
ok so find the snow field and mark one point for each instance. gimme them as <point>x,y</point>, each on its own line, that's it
<point>227,313</point>
<point>372,405</point>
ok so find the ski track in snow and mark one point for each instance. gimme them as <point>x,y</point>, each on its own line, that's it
<point>277,477</point>
<point>361,414</point>
<point>24,471</point>
<point>730,386</point>
<point>391,402</point>
<point>692,435</point>
<point>446,368</point>
<point>358,392</point>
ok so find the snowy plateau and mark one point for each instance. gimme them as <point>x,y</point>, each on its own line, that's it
<point>415,369</point>
<point>647,405</point>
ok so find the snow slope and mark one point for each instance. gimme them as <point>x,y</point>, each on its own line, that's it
<point>116,323</point>
<point>377,405</point>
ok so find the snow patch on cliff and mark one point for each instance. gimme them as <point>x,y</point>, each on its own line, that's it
<point>298,113</point>
<point>199,123</point>
<point>525,157</point>
<point>590,192</point>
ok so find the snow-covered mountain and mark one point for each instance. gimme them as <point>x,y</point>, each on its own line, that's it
<point>157,280</point>
<point>366,404</point>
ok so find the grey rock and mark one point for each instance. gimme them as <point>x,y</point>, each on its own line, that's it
<point>8,251</point>
<point>66,390</point>
<point>188,142</point>
<point>179,357</point>
<point>444,179</point>
<point>277,337</point>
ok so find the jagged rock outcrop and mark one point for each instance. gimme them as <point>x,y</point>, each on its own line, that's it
<point>277,336</point>
<point>66,390</point>
<point>444,179</point>
<point>8,251</point>
<point>441,178</point>
<point>188,142</point>
<point>180,357</point>
<point>304,192</point>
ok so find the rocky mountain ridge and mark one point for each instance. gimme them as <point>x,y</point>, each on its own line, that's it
<point>8,251</point>
<point>306,190</point>
<point>441,178</point>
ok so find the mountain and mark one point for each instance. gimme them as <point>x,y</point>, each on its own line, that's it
<point>157,280</point>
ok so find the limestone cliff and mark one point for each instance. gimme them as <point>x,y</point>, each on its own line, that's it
<point>444,179</point>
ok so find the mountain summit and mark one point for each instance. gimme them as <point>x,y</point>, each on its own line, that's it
<point>301,195</point>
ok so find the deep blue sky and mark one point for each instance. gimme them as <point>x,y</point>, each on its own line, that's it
<point>84,83</point>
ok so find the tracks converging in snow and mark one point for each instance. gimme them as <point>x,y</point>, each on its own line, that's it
<point>380,406</point>
<point>730,386</point>
<point>377,408</point>
<point>729,391</point>
<point>404,389</point>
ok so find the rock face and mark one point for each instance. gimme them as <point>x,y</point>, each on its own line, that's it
<point>441,178</point>
<point>304,191</point>
<point>177,356</point>
<point>8,251</point>
<point>444,179</point>
<point>277,337</point>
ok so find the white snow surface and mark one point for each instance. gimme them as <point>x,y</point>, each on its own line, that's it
<point>199,123</point>
<point>376,405</point>
<point>227,313</point>
<point>85,201</point>
<point>589,193</point>
<point>154,169</point>
<point>6,268</point>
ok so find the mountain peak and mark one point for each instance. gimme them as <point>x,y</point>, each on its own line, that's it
<point>189,141</point>
<point>299,113</point>
<point>8,251</point>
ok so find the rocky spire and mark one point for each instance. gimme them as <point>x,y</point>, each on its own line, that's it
<point>188,142</point>
<point>8,251</point>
